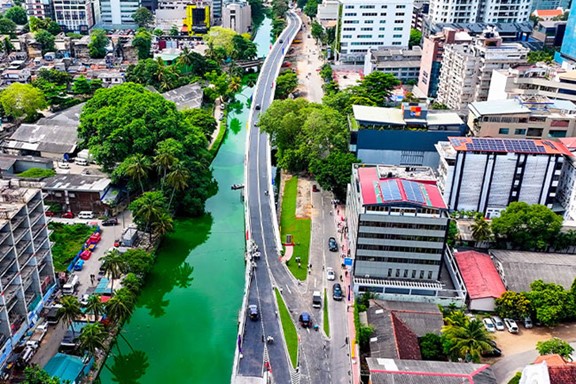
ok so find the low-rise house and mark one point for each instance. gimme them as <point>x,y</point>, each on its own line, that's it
<point>404,64</point>
<point>549,369</point>
<point>10,165</point>
<point>548,14</point>
<point>10,76</point>
<point>80,48</point>
<point>186,97</point>
<point>111,78</point>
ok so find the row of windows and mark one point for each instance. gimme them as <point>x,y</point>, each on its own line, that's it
<point>390,236</point>
<point>532,132</point>
<point>401,225</point>
<point>398,260</point>
<point>380,208</point>
<point>392,248</point>
<point>373,7</point>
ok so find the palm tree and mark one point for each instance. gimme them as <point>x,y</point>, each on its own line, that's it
<point>469,340</point>
<point>186,59</point>
<point>138,168</point>
<point>92,338</point>
<point>163,225</point>
<point>95,306</point>
<point>164,160</point>
<point>150,207</point>
<point>177,179</point>
<point>481,230</point>
<point>70,310</point>
<point>113,265</point>
<point>235,84</point>
<point>119,308</point>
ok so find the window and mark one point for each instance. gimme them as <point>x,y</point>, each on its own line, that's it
<point>370,14</point>
<point>396,43</point>
<point>351,21</point>
<point>534,132</point>
<point>384,7</point>
<point>397,36</point>
<point>366,28</point>
<point>364,36</point>
<point>397,273</point>
<point>369,21</point>
<point>421,274</point>
<point>405,273</point>
<point>413,273</point>
<point>380,36</point>
<point>503,131</point>
<point>389,272</point>
<point>399,14</point>
<point>349,29</point>
<point>382,21</point>
<point>349,7</point>
<point>398,28</point>
<point>367,7</point>
<point>383,14</point>
<point>400,7</point>
<point>398,21</point>
<point>519,131</point>
<point>346,36</point>
<point>429,275</point>
<point>381,29</point>
<point>557,133</point>
<point>350,14</point>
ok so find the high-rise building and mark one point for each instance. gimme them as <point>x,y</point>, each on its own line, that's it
<point>26,268</point>
<point>479,11</point>
<point>197,19</point>
<point>237,16</point>
<point>467,68</point>
<point>74,15</point>
<point>567,55</point>
<point>487,174</point>
<point>40,8</point>
<point>371,24</point>
<point>117,13</point>
<point>397,228</point>
<point>216,6</point>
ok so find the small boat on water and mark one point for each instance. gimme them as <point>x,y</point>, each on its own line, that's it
<point>237,186</point>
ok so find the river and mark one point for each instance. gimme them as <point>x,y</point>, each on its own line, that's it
<point>184,326</point>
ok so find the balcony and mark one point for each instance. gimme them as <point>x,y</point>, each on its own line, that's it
<point>16,221</point>
<point>33,205</point>
<point>24,258</point>
<point>22,246</point>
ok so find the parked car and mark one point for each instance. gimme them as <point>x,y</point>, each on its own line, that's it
<point>511,325</point>
<point>49,213</point>
<point>257,107</point>
<point>498,323</point>
<point>330,274</point>
<point>68,215</point>
<point>253,312</point>
<point>337,292</point>
<point>63,165</point>
<point>528,322</point>
<point>489,324</point>
<point>494,352</point>
<point>305,320</point>
<point>281,41</point>
<point>109,222</point>
<point>332,245</point>
<point>84,299</point>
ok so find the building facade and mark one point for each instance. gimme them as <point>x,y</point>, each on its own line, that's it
<point>480,11</point>
<point>523,117</point>
<point>328,10</point>
<point>117,13</point>
<point>26,267</point>
<point>567,55</point>
<point>237,15</point>
<point>467,68</point>
<point>198,19</point>
<point>404,64</point>
<point>487,174</point>
<point>40,8</point>
<point>74,15</point>
<point>371,25</point>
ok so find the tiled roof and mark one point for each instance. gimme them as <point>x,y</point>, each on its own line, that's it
<point>480,275</point>
<point>548,12</point>
<point>559,371</point>
<point>406,340</point>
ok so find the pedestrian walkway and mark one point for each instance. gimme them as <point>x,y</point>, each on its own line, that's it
<point>288,252</point>
<point>217,115</point>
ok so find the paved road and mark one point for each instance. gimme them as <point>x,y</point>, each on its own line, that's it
<point>258,181</point>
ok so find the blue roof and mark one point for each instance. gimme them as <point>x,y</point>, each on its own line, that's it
<point>65,367</point>
<point>101,288</point>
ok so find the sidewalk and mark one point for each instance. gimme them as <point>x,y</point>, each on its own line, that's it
<point>217,115</point>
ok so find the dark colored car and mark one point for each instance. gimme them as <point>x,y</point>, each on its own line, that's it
<point>253,312</point>
<point>332,245</point>
<point>109,222</point>
<point>494,352</point>
<point>281,41</point>
<point>257,107</point>
<point>337,292</point>
<point>305,320</point>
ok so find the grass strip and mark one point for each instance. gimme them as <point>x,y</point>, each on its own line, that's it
<point>298,228</point>
<point>221,134</point>
<point>289,328</point>
<point>326,320</point>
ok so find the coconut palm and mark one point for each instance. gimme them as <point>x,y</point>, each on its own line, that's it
<point>92,338</point>
<point>481,230</point>
<point>94,306</point>
<point>138,168</point>
<point>148,209</point>
<point>119,308</point>
<point>70,310</point>
<point>186,59</point>
<point>469,340</point>
<point>113,265</point>
<point>177,179</point>
<point>164,160</point>
<point>163,224</point>
<point>235,84</point>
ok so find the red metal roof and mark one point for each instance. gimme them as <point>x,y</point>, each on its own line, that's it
<point>548,12</point>
<point>480,275</point>
<point>569,142</point>
<point>387,191</point>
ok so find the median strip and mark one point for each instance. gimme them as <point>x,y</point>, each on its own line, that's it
<point>326,319</point>
<point>290,334</point>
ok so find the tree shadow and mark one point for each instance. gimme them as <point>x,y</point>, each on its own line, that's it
<point>235,126</point>
<point>129,368</point>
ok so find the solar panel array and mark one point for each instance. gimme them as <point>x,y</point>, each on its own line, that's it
<point>499,145</point>
<point>413,192</point>
<point>390,190</point>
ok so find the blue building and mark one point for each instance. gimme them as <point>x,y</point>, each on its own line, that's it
<point>567,55</point>
<point>404,137</point>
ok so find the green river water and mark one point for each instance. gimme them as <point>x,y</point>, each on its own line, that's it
<point>184,326</point>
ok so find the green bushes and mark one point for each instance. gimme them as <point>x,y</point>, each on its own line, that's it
<point>67,240</point>
<point>37,173</point>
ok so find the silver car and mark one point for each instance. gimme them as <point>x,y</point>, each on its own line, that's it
<point>489,325</point>
<point>498,323</point>
<point>511,325</point>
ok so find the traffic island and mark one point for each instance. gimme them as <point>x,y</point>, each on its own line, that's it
<point>288,328</point>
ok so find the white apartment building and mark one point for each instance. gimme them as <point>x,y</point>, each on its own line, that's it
<point>26,267</point>
<point>487,174</point>
<point>117,13</point>
<point>74,15</point>
<point>539,79</point>
<point>566,195</point>
<point>467,68</point>
<point>237,15</point>
<point>479,11</point>
<point>328,10</point>
<point>366,25</point>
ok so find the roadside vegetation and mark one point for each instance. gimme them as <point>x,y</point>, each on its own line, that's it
<point>37,173</point>
<point>299,228</point>
<point>289,329</point>
<point>326,321</point>
<point>67,240</point>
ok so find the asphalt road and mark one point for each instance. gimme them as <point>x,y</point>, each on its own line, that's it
<point>258,180</point>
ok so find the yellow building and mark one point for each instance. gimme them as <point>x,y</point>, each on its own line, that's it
<point>197,21</point>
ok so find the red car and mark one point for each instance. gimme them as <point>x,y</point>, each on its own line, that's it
<point>68,215</point>
<point>49,213</point>
<point>85,255</point>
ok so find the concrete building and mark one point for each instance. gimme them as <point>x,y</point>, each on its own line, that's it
<point>372,24</point>
<point>236,15</point>
<point>487,174</point>
<point>404,64</point>
<point>567,55</point>
<point>74,15</point>
<point>197,20</point>
<point>117,13</point>
<point>217,6</point>
<point>171,13</point>
<point>541,79</point>
<point>328,10</point>
<point>40,8</point>
<point>421,11</point>
<point>550,33</point>
<point>566,195</point>
<point>404,137</point>
<point>480,11</point>
<point>467,68</point>
<point>509,32</point>
<point>523,117</point>
<point>547,14</point>
<point>26,267</point>
<point>432,53</point>
<point>398,222</point>
<point>186,97</point>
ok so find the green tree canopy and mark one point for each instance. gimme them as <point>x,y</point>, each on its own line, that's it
<point>243,48</point>
<point>466,341</point>
<point>7,27</point>
<point>143,17</point>
<point>174,31</point>
<point>55,76</point>
<point>431,347</point>
<point>46,40</point>
<point>551,302</point>
<point>544,55</point>
<point>33,374</point>
<point>202,119</point>
<point>279,8</point>
<point>17,14</point>
<point>333,172</point>
<point>555,346</point>
<point>415,37</point>
<point>311,8</point>
<point>98,43</point>
<point>514,305</point>
<point>317,31</point>
<point>377,87</point>
<point>527,227</point>
<point>221,38</point>
<point>142,41</point>
<point>22,100</point>
<point>286,83</point>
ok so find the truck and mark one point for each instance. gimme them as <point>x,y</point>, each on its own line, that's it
<point>70,287</point>
<point>39,333</point>
<point>316,299</point>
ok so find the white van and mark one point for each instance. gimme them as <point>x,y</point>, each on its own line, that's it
<point>81,161</point>
<point>70,287</point>
<point>86,215</point>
